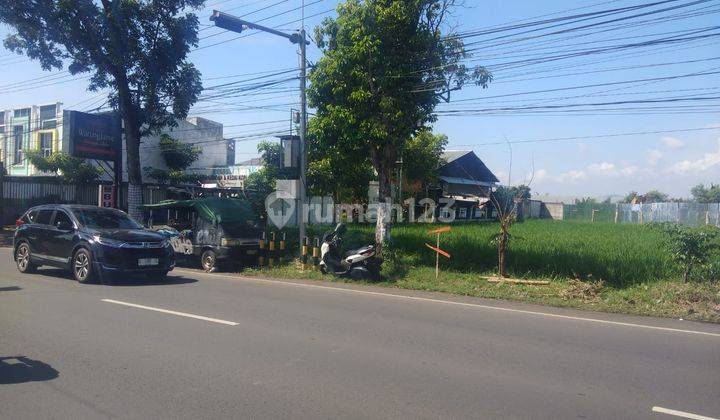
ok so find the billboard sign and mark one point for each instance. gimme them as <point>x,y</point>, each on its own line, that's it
<point>92,136</point>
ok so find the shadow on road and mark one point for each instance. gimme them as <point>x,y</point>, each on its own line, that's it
<point>149,281</point>
<point>19,369</point>
<point>10,289</point>
<point>124,280</point>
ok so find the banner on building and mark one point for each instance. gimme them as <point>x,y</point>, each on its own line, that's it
<point>92,136</point>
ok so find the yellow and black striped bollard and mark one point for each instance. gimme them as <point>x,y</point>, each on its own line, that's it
<point>271,250</point>
<point>282,248</point>
<point>304,254</point>
<point>316,253</point>
<point>261,253</point>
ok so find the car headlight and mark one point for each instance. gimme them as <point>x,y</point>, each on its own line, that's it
<point>228,242</point>
<point>109,242</point>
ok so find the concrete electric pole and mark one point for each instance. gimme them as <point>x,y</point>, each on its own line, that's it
<point>235,24</point>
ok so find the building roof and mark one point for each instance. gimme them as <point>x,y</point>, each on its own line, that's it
<point>451,155</point>
<point>464,164</point>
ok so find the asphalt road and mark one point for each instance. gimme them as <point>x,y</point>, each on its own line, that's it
<point>220,346</point>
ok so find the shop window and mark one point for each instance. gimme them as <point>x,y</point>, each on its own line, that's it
<point>46,144</point>
<point>18,134</point>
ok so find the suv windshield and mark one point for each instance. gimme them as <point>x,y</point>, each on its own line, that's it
<point>105,219</point>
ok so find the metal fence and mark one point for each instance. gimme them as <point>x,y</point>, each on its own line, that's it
<point>691,214</point>
<point>17,194</point>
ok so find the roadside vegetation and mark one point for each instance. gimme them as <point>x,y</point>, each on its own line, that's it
<point>601,266</point>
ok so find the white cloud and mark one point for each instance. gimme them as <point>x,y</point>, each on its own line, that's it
<point>654,157</point>
<point>629,170</point>
<point>672,142</point>
<point>540,175</point>
<point>603,168</point>
<point>572,176</point>
<point>708,160</point>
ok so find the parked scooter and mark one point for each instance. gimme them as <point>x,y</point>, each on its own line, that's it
<point>358,264</point>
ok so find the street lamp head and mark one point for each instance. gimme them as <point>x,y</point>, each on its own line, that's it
<point>228,22</point>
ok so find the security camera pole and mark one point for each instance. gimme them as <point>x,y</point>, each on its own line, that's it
<point>235,24</point>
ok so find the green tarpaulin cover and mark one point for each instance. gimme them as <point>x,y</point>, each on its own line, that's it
<point>212,209</point>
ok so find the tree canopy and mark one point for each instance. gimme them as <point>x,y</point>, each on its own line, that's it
<point>178,157</point>
<point>385,66</point>
<point>73,170</point>
<point>261,183</point>
<point>421,159</point>
<point>703,194</point>
<point>136,49</point>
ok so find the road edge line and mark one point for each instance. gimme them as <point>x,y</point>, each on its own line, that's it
<point>465,304</point>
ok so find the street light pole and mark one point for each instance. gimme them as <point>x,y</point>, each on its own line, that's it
<point>235,24</point>
<point>303,136</point>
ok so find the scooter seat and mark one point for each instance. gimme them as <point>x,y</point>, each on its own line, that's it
<point>358,251</point>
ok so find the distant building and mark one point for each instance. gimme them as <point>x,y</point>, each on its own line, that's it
<point>201,132</point>
<point>247,167</point>
<point>32,127</point>
<point>39,127</point>
<point>465,178</point>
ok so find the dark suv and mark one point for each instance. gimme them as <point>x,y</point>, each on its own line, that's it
<point>93,242</point>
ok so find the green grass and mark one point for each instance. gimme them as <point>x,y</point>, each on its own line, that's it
<point>619,254</point>
<point>637,272</point>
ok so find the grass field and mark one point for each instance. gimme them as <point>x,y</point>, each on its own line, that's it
<point>637,272</point>
<point>621,255</point>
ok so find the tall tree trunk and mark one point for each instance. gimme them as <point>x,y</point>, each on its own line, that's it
<point>382,227</point>
<point>383,160</point>
<point>132,125</point>
<point>135,198</point>
<point>502,250</point>
<point>686,274</point>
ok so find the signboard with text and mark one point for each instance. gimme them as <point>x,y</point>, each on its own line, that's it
<point>92,136</point>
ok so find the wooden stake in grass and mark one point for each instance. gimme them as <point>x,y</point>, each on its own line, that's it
<point>437,249</point>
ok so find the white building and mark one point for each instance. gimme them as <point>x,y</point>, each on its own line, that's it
<point>201,132</point>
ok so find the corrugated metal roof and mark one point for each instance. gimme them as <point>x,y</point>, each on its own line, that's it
<point>451,155</point>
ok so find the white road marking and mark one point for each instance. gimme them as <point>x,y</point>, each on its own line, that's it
<point>682,414</point>
<point>166,311</point>
<point>465,304</point>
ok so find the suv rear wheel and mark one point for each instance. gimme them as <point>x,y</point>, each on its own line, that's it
<point>82,266</point>
<point>22,259</point>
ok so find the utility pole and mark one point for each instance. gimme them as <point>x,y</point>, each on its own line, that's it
<point>303,135</point>
<point>235,24</point>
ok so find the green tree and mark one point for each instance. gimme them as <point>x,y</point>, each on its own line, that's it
<point>137,49</point>
<point>261,183</point>
<point>703,194</point>
<point>385,66</point>
<point>690,247</point>
<point>655,196</point>
<point>336,170</point>
<point>421,157</point>
<point>73,170</point>
<point>178,156</point>
<point>629,197</point>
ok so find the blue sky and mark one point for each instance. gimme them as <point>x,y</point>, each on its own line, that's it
<point>587,165</point>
